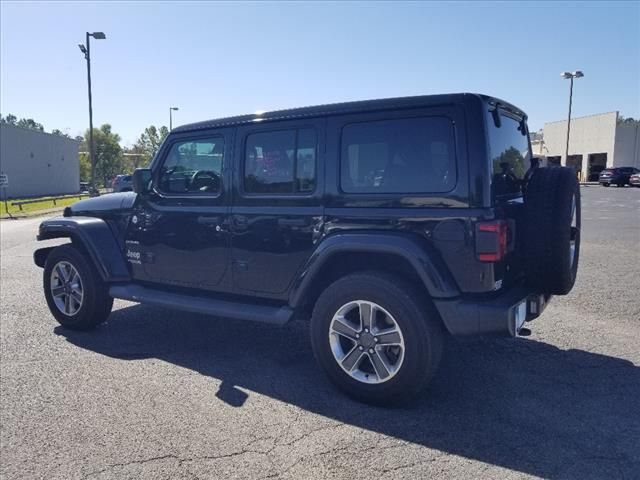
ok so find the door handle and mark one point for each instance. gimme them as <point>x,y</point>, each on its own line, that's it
<point>292,222</point>
<point>210,221</point>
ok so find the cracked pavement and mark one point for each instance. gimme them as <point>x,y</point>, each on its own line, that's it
<point>159,394</point>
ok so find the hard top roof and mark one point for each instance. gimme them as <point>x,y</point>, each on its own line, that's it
<point>341,108</point>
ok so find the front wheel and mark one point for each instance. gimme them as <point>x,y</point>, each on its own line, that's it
<point>376,338</point>
<point>77,297</point>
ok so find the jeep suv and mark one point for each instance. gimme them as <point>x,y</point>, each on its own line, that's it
<point>388,223</point>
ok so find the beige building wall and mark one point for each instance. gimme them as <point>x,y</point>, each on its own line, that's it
<point>589,135</point>
<point>38,163</point>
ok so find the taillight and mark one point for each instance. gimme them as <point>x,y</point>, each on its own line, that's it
<point>491,240</point>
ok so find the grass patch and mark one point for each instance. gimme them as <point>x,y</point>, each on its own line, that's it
<point>44,203</point>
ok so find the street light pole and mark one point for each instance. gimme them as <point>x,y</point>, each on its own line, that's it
<point>87,56</point>
<point>92,153</point>
<point>171,109</point>
<point>570,76</point>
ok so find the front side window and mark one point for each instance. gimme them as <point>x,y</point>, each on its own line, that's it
<point>280,162</point>
<point>409,155</point>
<point>509,153</point>
<point>193,167</point>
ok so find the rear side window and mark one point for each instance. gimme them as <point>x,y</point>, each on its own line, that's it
<point>408,155</point>
<point>280,162</point>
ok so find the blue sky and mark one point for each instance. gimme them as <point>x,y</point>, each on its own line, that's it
<point>215,59</point>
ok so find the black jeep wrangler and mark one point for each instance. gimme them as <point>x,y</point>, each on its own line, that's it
<point>389,223</point>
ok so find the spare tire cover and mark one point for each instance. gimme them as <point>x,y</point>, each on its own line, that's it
<point>552,230</point>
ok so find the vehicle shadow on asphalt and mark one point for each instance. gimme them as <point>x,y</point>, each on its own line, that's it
<point>520,404</point>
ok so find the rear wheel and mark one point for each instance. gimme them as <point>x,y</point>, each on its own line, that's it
<point>77,297</point>
<point>552,230</point>
<point>376,338</point>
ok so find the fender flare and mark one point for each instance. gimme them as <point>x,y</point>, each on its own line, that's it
<point>95,236</point>
<point>425,260</point>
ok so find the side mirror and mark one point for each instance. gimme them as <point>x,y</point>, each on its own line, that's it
<point>142,180</point>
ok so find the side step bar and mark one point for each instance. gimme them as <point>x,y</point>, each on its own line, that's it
<point>209,306</point>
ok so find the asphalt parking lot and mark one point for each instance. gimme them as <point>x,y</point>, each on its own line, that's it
<point>167,395</point>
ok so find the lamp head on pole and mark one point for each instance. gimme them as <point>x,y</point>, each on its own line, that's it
<point>174,108</point>
<point>98,35</point>
<point>576,74</point>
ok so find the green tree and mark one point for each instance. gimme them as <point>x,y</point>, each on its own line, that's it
<point>55,131</point>
<point>108,153</point>
<point>627,121</point>
<point>150,141</point>
<point>134,157</point>
<point>9,119</point>
<point>85,167</point>
<point>30,123</point>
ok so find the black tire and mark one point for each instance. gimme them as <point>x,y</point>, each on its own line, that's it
<point>550,264</point>
<point>96,303</point>
<point>606,184</point>
<point>418,321</point>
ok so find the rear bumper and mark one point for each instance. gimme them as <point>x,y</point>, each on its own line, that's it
<point>503,315</point>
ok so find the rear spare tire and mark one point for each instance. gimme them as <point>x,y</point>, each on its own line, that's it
<point>552,230</point>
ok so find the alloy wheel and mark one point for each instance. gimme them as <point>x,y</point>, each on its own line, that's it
<point>66,288</point>
<point>367,342</point>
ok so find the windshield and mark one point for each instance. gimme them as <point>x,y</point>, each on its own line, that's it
<point>509,153</point>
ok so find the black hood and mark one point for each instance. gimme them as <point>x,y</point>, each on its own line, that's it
<point>108,203</point>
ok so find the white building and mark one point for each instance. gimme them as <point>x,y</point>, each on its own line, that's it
<point>38,163</point>
<point>595,142</point>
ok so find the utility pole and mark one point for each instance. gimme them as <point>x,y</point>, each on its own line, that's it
<point>570,76</point>
<point>92,153</point>
<point>171,109</point>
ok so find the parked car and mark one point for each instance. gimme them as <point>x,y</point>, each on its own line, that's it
<point>389,223</point>
<point>84,187</point>
<point>122,183</point>
<point>617,176</point>
<point>634,180</point>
